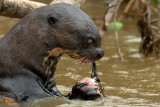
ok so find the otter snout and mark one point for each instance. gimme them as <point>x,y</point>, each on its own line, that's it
<point>99,53</point>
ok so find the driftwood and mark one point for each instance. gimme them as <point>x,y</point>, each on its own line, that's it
<point>19,8</point>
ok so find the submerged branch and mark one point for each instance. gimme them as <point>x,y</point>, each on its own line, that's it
<point>117,40</point>
<point>116,33</point>
<point>111,12</point>
<point>146,30</point>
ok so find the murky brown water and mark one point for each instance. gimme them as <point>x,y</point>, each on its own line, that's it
<point>135,82</point>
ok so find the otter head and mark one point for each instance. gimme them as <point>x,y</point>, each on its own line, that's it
<point>70,28</point>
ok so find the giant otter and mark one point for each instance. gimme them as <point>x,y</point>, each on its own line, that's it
<point>27,62</point>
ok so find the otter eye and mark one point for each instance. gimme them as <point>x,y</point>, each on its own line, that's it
<point>51,20</point>
<point>90,41</point>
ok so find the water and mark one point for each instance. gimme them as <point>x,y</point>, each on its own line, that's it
<point>135,82</point>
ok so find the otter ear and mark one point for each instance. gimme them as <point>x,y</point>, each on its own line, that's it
<point>52,20</point>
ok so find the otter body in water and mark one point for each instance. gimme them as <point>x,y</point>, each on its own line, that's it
<point>24,70</point>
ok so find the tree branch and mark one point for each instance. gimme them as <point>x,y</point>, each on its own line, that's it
<point>77,3</point>
<point>116,32</point>
<point>126,9</point>
<point>19,8</point>
<point>109,13</point>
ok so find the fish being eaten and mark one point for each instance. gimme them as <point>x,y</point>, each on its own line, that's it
<point>87,88</point>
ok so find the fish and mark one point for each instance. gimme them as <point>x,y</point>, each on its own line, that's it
<point>88,88</point>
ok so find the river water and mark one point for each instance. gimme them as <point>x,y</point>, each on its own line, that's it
<point>135,82</point>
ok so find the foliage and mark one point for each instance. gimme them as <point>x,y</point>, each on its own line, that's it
<point>155,1</point>
<point>119,25</point>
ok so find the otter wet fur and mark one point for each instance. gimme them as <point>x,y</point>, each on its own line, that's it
<point>26,65</point>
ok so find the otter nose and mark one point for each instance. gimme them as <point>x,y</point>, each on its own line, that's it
<point>100,54</point>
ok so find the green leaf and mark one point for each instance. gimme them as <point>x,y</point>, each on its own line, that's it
<point>119,25</point>
<point>155,1</point>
